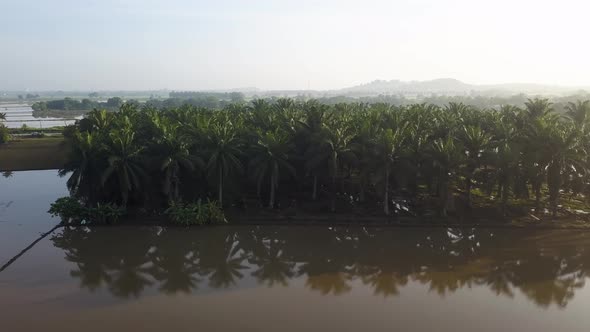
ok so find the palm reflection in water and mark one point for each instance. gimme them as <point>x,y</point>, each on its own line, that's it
<point>546,266</point>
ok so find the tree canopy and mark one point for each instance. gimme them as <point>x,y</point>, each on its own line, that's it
<point>347,154</point>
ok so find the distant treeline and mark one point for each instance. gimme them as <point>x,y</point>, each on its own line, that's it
<point>69,107</point>
<point>219,100</point>
<point>72,107</point>
<point>198,99</point>
<point>482,102</point>
<point>68,104</point>
<point>228,96</point>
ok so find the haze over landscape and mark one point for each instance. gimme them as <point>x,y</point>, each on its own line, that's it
<point>294,45</point>
<point>398,161</point>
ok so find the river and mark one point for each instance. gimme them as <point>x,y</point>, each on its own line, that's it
<point>283,278</point>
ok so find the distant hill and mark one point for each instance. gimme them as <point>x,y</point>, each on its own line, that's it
<point>442,85</point>
<point>449,86</point>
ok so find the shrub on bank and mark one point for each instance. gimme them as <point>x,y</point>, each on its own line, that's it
<point>196,213</point>
<point>4,134</point>
<point>72,211</point>
<point>69,131</point>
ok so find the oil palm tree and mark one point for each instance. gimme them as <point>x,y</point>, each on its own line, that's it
<point>538,108</point>
<point>505,158</point>
<point>100,120</point>
<point>536,157</point>
<point>125,164</point>
<point>476,142</point>
<point>447,157</point>
<point>316,117</point>
<point>579,112</point>
<point>332,146</point>
<point>260,114</point>
<point>389,145</point>
<point>223,150</point>
<point>364,150</point>
<point>270,157</point>
<point>175,157</point>
<point>565,156</point>
<point>85,162</point>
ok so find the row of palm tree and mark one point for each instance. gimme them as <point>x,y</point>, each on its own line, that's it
<point>369,154</point>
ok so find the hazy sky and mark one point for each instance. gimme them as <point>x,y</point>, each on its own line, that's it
<point>274,44</point>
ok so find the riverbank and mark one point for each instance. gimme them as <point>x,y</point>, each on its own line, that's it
<point>570,217</point>
<point>23,154</point>
<point>573,212</point>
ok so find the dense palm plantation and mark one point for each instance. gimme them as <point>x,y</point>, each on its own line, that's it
<point>377,157</point>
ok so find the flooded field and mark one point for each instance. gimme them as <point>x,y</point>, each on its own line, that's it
<point>18,115</point>
<point>24,200</point>
<point>268,278</point>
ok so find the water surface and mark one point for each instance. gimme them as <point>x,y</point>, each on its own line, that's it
<point>300,278</point>
<point>20,114</point>
<point>254,278</point>
<point>25,198</point>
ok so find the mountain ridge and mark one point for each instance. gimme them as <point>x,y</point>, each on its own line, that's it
<point>453,86</point>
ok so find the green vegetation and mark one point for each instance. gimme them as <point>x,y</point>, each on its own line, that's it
<point>4,132</point>
<point>348,156</point>
<point>27,130</point>
<point>196,214</point>
<point>72,107</point>
<point>69,107</point>
<point>71,211</point>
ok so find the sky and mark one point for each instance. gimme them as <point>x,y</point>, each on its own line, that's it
<point>301,44</point>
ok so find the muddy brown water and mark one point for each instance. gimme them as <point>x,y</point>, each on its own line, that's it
<point>281,278</point>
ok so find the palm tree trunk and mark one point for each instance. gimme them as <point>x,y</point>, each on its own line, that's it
<point>504,200</point>
<point>333,205</point>
<point>386,194</point>
<point>271,202</point>
<point>220,187</point>
<point>525,189</point>
<point>413,184</point>
<point>176,188</point>
<point>362,190</point>
<point>314,195</point>
<point>468,190</point>
<point>273,179</point>
<point>443,192</point>
<point>259,188</point>
<point>489,187</point>
<point>554,184</point>
<point>537,186</point>
<point>499,190</point>
<point>334,171</point>
<point>521,188</point>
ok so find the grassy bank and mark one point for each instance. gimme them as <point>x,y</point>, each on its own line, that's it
<point>31,130</point>
<point>33,154</point>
